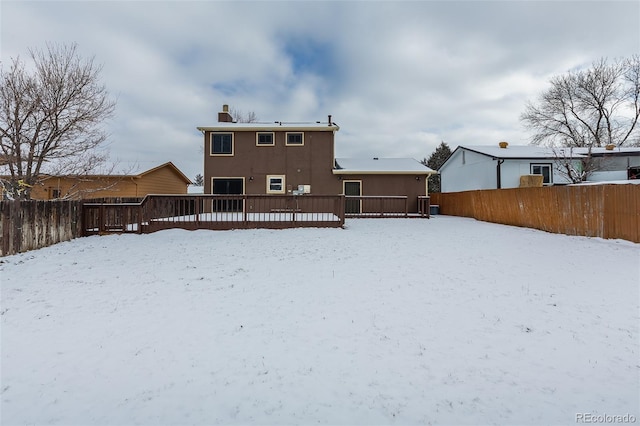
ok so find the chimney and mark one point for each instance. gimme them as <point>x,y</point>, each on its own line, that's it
<point>503,144</point>
<point>609,147</point>
<point>224,116</point>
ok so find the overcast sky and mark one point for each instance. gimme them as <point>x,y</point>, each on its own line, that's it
<point>398,77</point>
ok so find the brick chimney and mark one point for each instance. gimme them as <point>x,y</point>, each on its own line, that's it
<point>224,116</point>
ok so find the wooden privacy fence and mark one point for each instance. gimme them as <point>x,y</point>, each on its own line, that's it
<point>28,225</point>
<point>606,211</point>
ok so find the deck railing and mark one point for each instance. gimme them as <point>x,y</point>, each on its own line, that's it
<point>156,212</point>
<point>384,206</point>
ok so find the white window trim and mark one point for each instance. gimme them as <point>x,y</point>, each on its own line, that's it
<point>549,165</point>
<point>286,139</point>
<point>273,138</point>
<point>233,145</point>
<point>284,184</point>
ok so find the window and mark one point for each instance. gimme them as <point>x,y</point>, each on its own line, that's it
<point>221,143</point>
<point>275,184</point>
<point>264,139</point>
<point>544,170</point>
<point>295,139</point>
<point>55,193</point>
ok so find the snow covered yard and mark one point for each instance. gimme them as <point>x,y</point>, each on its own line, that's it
<point>389,321</point>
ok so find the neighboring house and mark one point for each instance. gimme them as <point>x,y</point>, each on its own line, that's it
<point>163,179</point>
<point>615,164</point>
<point>502,166</point>
<point>294,158</point>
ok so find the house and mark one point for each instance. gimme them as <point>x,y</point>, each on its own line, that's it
<point>509,166</point>
<point>268,158</point>
<point>297,158</point>
<point>383,177</point>
<point>163,179</point>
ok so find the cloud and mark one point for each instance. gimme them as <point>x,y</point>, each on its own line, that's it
<point>398,77</point>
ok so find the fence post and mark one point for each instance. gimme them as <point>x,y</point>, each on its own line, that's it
<point>140,221</point>
<point>16,226</point>
<point>244,209</point>
<point>196,202</point>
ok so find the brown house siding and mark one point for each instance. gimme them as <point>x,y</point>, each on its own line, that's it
<point>308,164</point>
<point>391,185</point>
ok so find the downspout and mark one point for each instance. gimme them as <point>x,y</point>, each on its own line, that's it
<point>498,173</point>
<point>136,185</point>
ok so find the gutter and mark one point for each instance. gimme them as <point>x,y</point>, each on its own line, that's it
<point>499,173</point>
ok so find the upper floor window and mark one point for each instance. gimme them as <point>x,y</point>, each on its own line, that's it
<point>296,138</point>
<point>264,139</point>
<point>544,170</point>
<point>221,143</point>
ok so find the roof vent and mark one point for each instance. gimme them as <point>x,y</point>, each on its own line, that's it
<point>503,144</point>
<point>375,158</point>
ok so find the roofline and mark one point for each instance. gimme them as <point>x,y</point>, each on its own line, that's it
<point>508,158</point>
<point>383,172</point>
<point>46,176</point>
<point>170,164</point>
<point>271,127</point>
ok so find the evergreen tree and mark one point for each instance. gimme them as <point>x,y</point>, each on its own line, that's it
<point>435,160</point>
<point>199,180</point>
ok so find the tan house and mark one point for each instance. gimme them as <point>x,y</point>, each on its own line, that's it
<point>297,158</point>
<point>163,179</point>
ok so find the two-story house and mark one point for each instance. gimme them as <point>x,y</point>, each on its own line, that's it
<point>272,158</point>
<point>295,158</point>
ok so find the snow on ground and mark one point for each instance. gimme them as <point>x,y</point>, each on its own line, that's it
<point>389,321</point>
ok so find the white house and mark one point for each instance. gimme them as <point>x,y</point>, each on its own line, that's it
<point>501,166</point>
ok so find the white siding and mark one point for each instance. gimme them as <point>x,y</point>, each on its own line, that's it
<point>475,172</point>
<point>467,170</point>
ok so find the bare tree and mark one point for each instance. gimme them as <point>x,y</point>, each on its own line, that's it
<point>587,108</point>
<point>51,117</point>
<point>243,117</point>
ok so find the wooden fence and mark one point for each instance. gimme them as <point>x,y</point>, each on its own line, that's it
<point>28,225</point>
<point>606,211</point>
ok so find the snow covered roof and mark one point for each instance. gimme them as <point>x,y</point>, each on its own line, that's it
<point>274,126</point>
<point>381,166</point>
<point>512,151</point>
<point>531,151</point>
<point>194,189</point>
